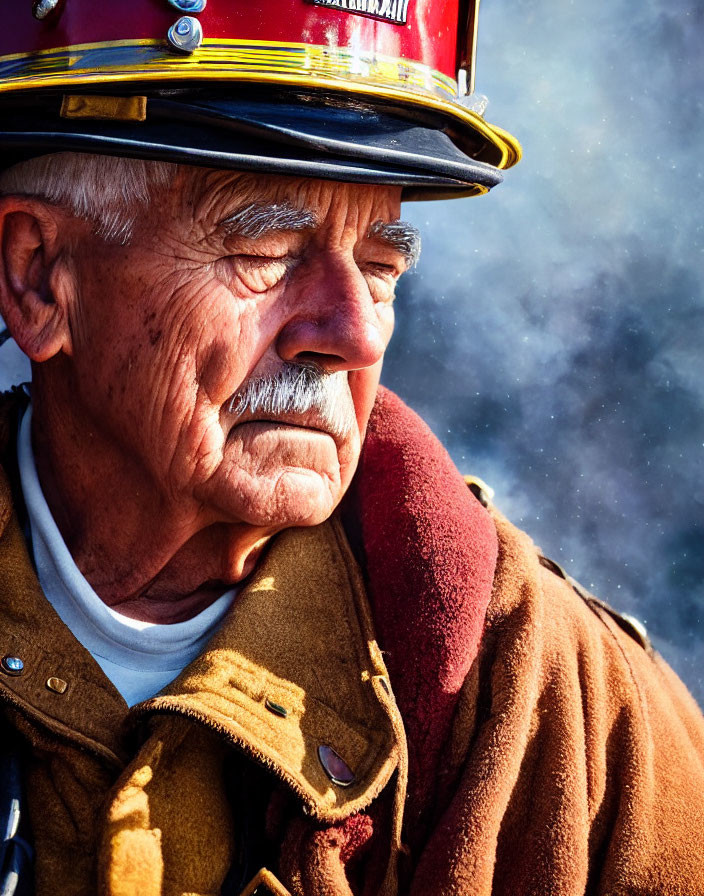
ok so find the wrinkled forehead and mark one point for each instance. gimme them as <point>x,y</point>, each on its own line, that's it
<point>214,195</point>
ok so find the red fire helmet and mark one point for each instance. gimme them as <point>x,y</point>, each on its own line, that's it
<point>374,91</point>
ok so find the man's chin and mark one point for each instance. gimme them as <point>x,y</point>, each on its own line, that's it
<point>306,499</point>
<point>281,476</point>
<point>294,497</point>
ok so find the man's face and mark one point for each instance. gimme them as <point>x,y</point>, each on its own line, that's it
<point>227,279</point>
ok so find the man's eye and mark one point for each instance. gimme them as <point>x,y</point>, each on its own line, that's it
<point>381,279</point>
<point>259,273</point>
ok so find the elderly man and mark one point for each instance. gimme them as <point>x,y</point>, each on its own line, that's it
<point>257,633</point>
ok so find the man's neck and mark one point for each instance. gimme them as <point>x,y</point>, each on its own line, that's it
<point>148,558</point>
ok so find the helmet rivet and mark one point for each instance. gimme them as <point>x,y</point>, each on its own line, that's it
<point>193,6</point>
<point>42,9</point>
<point>186,35</point>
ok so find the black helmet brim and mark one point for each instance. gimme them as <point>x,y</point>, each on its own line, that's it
<point>281,133</point>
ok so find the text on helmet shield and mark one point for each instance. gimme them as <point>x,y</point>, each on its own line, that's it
<point>389,10</point>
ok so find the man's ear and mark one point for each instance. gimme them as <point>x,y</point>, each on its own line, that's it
<point>35,285</point>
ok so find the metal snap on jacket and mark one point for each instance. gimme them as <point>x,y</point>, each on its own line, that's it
<point>57,685</point>
<point>12,665</point>
<point>335,766</point>
<point>276,708</point>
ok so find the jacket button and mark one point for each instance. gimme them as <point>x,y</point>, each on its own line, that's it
<point>57,685</point>
<point>276,708</point>
<point>335,766</point>
<point>12,665</point>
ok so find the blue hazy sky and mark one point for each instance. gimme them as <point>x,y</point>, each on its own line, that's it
<point>552,334</point>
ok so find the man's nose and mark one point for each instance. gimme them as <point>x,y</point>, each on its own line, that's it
<point>336,323</point>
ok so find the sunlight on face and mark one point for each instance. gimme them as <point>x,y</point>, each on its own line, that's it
<point>230,278</point>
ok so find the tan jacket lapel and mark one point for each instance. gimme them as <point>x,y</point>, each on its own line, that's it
<point>295,670</point>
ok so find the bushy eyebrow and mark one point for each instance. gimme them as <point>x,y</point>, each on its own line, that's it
<point>401,236</point>
<point>258,219</point>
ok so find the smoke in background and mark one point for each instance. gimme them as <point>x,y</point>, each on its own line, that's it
<point>552,335</point>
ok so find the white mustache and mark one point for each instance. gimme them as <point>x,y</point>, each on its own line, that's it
<point>299,389</point>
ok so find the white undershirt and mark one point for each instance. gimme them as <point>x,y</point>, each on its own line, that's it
<point>139,658</point>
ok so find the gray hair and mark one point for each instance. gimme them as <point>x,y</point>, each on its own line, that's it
<point>105,190</point>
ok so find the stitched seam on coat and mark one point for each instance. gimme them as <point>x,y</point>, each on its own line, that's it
<point>253,709</point>
<point>59,729</point>
<point>327,813</point>
<point>608,622</point>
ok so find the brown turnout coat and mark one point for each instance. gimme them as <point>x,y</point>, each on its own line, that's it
<point>574,762</point>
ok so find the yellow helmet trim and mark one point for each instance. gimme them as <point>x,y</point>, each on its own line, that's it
<point>218,60</point>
